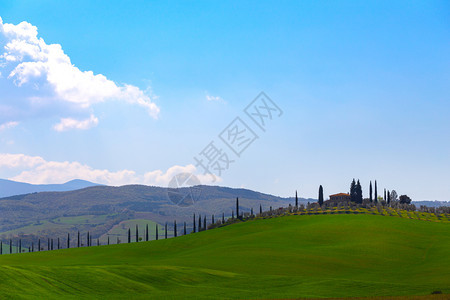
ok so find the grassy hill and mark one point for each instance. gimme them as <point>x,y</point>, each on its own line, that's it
<point>285,257</point>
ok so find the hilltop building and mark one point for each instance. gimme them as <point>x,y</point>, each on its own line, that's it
<point>338,199</point>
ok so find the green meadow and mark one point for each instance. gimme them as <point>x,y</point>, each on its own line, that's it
<point>333,255</point>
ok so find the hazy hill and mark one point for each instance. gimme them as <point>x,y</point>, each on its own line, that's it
<point>11,188</point>
<point>54,213</point>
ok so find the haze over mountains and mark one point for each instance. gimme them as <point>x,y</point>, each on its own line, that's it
<point>12,188</point>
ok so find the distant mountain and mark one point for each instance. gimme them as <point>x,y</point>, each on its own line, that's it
<point>11,188</point>
<point>434,203</point>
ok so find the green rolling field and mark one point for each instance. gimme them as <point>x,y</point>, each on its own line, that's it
<point>284,257</point>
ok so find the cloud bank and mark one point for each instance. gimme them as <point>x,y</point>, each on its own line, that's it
<point>37,170</point>
<point>29,61</point>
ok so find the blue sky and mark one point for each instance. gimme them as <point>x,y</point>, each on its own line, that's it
<point>364,88</point>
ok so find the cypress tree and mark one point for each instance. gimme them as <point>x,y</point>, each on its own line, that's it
<point>156,234</point>
<point>20,245</point>
<point>320,195</point>
<point>376,192</point>
<point>175,228</point>
<point>388,197</point>
<point>51,243</point>
<point>68,240</point>
<point>78,241</point>
<point>58,244</point>
<point>353,191</point>
<point>251,212</point>
<point>370,191</point>
<point>296,200</point>
<point>32,246</point>
<point>108,239</point>
<point>10,246</point>
<point>199,223</point>
<point>165,231</point>
<point>193,230</point>
<point>237,207</point>
<point>385,199</point>
<point>212,219</point>
<point>146,233</point>
<point>223,218</point>
<point>129,235</point>
<point>39,245</point>
<point>98,242</point>
<point>204,223</point>
<point>1,247</point>
<point>359,195</point>
<point>260,209</point>
<point>88,239</point>
<point>137,234</point>
<point>184,228</point>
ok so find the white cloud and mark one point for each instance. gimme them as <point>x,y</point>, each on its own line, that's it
<point>213,98</point>
<point>35,169</point>
<point>35,63</point>
<point>69,123</point>
<point>8,125</point>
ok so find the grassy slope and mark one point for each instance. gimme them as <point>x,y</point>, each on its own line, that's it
<point>295,256</point>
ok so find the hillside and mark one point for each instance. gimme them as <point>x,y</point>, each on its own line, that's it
<point>97,209</point>
<point>10,188</point>
<point>284,257</point>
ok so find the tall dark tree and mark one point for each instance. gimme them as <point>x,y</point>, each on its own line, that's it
<point>78,241</point>
<point>212,219</point>
<point>320,195</point>
<point>223,218</point>
<point>199,223</point>
<point>39,244</point>
<point>165,231</point>
<point>146,233</point>
<point>20,245</point>
<point>129,235</point>
<point>260,209</point>
<point>376,192</point>
<point>370,191</point>
<point>353,196</point>
<point>137,234</point>
<point>193,230</point>
<point>237,208</point>
<point>108,240</point>
<point>88,239</point>
<point>68,240</point>
<point>10,246</point>
<point>184,231</point>
<point>359,193</point>
<point>58,245</point>
<point>251,212</point>
<point>388,197</point>
<point>385,199</point>
<point>175,228</point>
<point>204,223</point>
<point>98,242</point>
<point>157,233</point>
<point>1,247</point>
<point>32,247</point>
<point>296,199</point>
